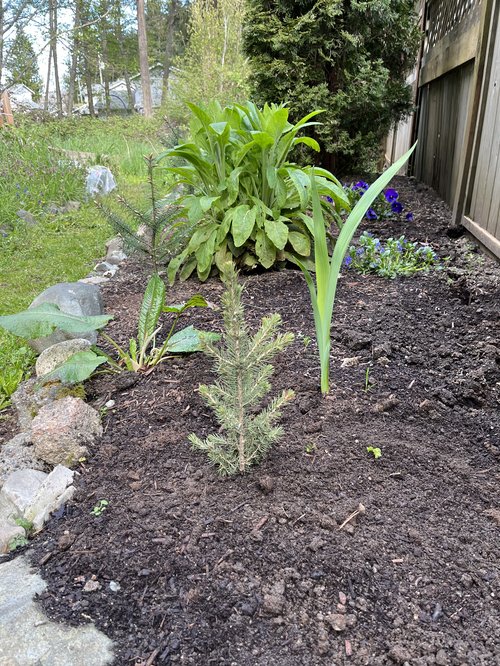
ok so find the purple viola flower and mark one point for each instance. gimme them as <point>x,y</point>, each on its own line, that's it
<point>371,214</point>
<point>360,251</point>
<point>391,195</point>
<point>397,207</point>
<point>360,185</point>
<point>329,199</point>
<point>347,261</point>
<point>409,217</point>
<point>399,247</point>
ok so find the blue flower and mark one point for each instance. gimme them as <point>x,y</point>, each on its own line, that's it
<point>378,245</point>
<point>399,247</point>
<point>329,199</point>
<point>347,261</point>
<point>391,195</point>
<point>397,207</point>
<point>409,217</point>
<point>371,214</point>
<point>361,185</point>
<point>360,251</point>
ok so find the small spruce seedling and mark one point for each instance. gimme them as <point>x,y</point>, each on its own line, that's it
<point>243,369</point>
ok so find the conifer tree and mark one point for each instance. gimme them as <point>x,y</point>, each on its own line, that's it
<point>243,367</point>
<point>22,63</point>
<point>349,58</point>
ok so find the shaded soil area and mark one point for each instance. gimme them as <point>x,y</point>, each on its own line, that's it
<point>257,570</point>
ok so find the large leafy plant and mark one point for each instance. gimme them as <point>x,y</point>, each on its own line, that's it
<point>328,268</point>
<point>249,202</point>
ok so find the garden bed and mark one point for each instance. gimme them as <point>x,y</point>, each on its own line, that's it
<point>254,570</point>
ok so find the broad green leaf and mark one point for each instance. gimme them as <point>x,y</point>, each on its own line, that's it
<point>196,301</point>
<point>265,250</point>
<point>151,308</point>
<point>277,232</point>
<point>262,139</point>
<point>220,128</point>
<point>243,224</point>
<point>307,141</point>
<point>205,251</point>
<point>206,202</point>
<point>187,340</point>
<point>302,184</point>
<point>76,368</point>
<point>187,269</point>
<point>300,243</point>
<point>43,319</point>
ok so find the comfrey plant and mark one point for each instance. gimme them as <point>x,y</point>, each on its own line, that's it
<point>328,269</point>
<point>396,256</point>
<point>386,205</point>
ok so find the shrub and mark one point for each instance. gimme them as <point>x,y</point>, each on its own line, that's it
<point>242,365</point>
<point>349,58</point>
<point>248,200</point>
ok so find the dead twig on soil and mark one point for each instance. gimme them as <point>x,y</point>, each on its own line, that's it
<point>359,511</point>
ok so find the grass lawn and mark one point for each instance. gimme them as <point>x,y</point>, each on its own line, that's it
<point>61,247</point>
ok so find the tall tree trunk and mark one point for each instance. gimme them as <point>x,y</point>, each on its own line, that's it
<point>47,84</point>
<point>74,58</point>
<point>105,53</point>
<point>1,40</point>
<point>53,48</point>
<point>90,94</point>
<point>147,102</point>
<point>167,59</point>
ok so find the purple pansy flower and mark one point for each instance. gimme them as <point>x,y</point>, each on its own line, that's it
<point>361,185</point>
<point>409,217</point>
<point>391,195</point>
<point>347,261</point>
<point>397,207</point>
<point>371,214</point>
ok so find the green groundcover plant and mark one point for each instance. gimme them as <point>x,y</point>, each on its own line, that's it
<point>248,200</point>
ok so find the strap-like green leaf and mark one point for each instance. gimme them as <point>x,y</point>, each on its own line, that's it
<point>151,309</point>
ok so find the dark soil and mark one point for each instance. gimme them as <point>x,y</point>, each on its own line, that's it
<point>255,570</point>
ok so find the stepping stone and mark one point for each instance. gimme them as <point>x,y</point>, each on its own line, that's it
<point>29,638</point>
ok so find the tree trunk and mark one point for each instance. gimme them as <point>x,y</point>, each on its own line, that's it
<point>1,40</point>
<point>74,58</point>
<point>53,49</point>
<point>147,103</point>
<point>167,59</point>
<point>47,84</point>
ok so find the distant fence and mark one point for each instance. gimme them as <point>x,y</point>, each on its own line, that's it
<point>458,112</point>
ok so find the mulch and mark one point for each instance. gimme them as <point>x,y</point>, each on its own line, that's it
<point>187,567</point>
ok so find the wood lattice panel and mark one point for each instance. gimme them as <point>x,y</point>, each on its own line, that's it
<point>442,16</point>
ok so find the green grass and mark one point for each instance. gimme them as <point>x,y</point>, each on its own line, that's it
<point>61,247</point>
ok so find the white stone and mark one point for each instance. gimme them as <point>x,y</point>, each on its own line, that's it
<point>55,491</point>
<point>29,638</point>
<point>54,356</point>
<point>116,257</point>
<point>8,528</point>
<point>16,454</point>
<point>94,279</point>
<point>21,487</point>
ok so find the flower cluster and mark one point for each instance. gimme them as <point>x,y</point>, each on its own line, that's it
<point>386,205</point>
<point>397,256</point>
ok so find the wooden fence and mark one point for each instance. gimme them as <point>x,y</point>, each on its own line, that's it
<point>458,112</point>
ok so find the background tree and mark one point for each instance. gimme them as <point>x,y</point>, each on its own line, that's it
<point>214,66</point>
<point>21,61</point>
<point>147,103</point>
<point>349,58</point>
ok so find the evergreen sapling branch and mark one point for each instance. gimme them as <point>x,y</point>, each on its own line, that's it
<point>242,363</point>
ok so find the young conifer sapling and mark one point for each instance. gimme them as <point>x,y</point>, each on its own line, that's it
<point>242,363</point>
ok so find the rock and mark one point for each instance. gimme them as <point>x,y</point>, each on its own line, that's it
<point>337,621</point>
<point>74,298</point>
<point>16,454</point>
<point>8,528</point>
<point>114,245</point>
<point>62,430</point>
<point>94,279</point>
<point>4,232</point>
<point>29,638</point>
<point>105,268</point>
<point>350,362</point>
<point>116,257</point>
<point>27,217</point>
<point>21,487</point>
<point>54,356</point>
<point>30,397</point>
<point>54,491</point>
<point>53,209</point>
<point>274,601</point>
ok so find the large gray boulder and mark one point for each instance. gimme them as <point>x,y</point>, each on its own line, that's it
<point>30,396</point>
<point>54,356</point>
<point>61,431</point>
<point>74,298</point>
